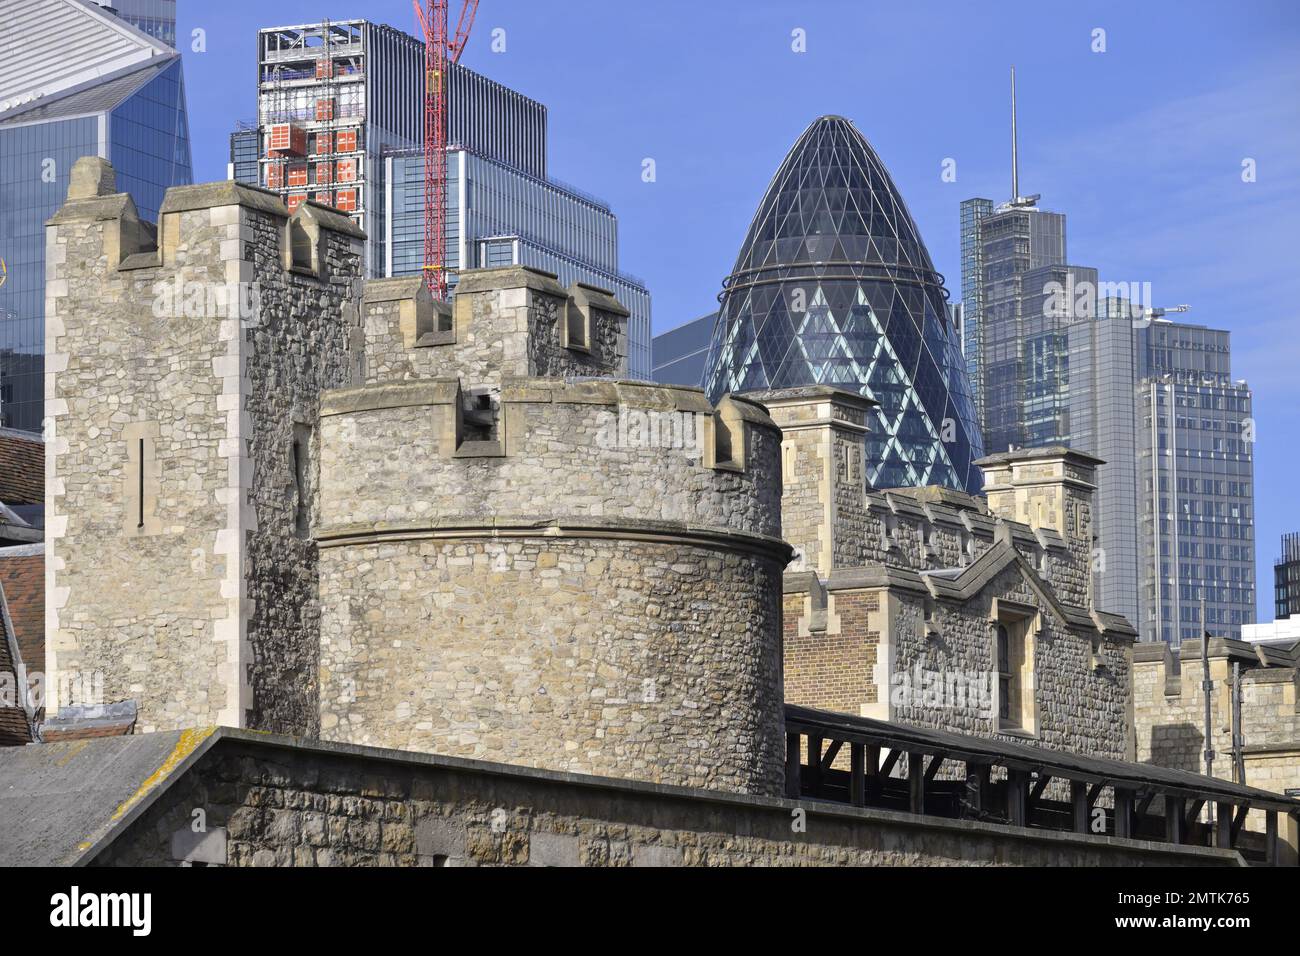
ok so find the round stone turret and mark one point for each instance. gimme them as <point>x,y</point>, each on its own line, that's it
<point>581,575</point>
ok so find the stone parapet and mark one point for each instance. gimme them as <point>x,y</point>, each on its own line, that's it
<point>589,450</point>
<point>183,370</point>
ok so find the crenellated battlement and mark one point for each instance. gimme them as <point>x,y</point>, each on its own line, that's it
<point>285,498</point>
<point>550,450</point>
<point>184,367</point>
<point>598,559</point>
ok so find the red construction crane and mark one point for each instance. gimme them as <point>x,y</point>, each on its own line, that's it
<point>439,50</point>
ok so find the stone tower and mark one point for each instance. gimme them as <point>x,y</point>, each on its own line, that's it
<point>1049,488</point>
<point>184,367</point>
<point>524,559</point>
<point>285,499</point>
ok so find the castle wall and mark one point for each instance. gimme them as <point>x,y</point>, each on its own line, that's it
<point>177,577</point>
<point>1170,713</point>
<point>277,803</point>
<point>579,575</point>
<point>508,322</point>
<point>891,607</point>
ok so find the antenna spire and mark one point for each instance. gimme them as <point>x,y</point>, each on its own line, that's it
<point>1015,158</point>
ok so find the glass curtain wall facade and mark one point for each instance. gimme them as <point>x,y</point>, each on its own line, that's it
<point>245,149</point>
<point>1048,306</point>
<point>681,355</point>
<point>154,17</point>
<point>1103,422</point>
<point>499,215</point>
<point>136,119</point>
<point>1195,461</point>
<point>833,286</point>
<point>1013,241</point>
<point>973,212</point>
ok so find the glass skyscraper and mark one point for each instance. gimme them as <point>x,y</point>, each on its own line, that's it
<point>973,212</point>
<point>154,17</point>
<point>500,215</point>
<point>999,248</point>
<point>833,286</point>
<point>1102,413</point>
<point>341,110</point>
<point>78,81</point>
<point>680,355</point>
<point>245,152</point>
<point>1195,474</point>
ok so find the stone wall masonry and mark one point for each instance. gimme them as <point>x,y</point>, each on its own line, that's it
<point>581,598</point>
<point>195,598</point>
<point>1170,713</point>
<point>873,640</point>
<point>579,451</point>
<point>654,660</point>
<point>273,803</point>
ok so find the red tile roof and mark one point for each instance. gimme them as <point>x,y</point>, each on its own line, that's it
<point>22,577</point>
<point>22,468</point>
<point>14,727</point>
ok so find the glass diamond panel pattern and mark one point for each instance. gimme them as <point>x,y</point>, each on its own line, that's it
<point>833,286</point>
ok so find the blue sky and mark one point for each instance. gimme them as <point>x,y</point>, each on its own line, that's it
<point>1141,146</point>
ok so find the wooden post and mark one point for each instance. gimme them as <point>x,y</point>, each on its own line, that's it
<point>814,765</point>
<point>792,766</point>
<point>857,775</point>
<point>1079,804</point>
<point>916,781</point>
<point>1174,819</point>
<point>1270,838</point>
<point>1123,813</point>
<point>1017,797</point>
<point>1223,826</point>
<point>872,756</point>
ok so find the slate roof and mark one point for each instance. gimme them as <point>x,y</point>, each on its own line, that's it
<point>57,799</point>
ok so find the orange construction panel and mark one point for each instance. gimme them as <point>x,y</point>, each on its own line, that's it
<point>347,199</point>
<point>347,141</point>
<point>347,170</point>
<point>298,175</point>
<point>324,110</point>
<point>295,200</point>
<point>324,144</point>
<point>285,139</point>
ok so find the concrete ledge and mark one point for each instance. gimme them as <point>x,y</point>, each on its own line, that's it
<point>99,209</point>
<point>329,218</point>
<point>589,297</point>
<point>1048,453</point>
<point>801,394</point>
<point>437,391</point>
<point>683,825</point>
<point>224,193</point>
<point>582,526</point>
<point>393,290</point>
<point>510,277</point>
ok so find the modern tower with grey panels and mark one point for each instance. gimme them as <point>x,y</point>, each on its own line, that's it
<point>1195,484</point>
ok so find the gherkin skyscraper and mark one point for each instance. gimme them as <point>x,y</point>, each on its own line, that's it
<point>833,286</point>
